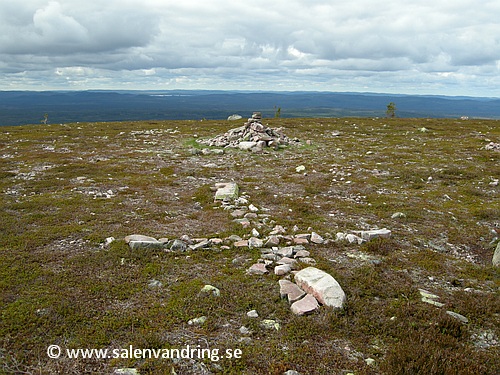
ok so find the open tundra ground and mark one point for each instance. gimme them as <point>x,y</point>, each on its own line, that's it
<point>64,189</point>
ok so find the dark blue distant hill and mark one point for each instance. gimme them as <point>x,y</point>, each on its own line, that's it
<point>29,107</point>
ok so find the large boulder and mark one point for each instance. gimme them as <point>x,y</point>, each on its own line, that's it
<point>322,286</point>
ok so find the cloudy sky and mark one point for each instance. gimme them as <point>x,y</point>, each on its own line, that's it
<point>449,47</point>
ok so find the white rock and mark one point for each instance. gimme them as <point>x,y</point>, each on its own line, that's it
<point>245,146</point>
<point>316,238</point>
<point>322,286</point>
<point>282,269</point>
<point>254,242</point>
<point>496,256</point>
<point>253,314</point>
<point>300,168</point>
<point>252,208</point>
<point>368,235</point>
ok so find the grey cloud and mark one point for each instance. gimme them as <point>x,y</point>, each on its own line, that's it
<point>286,42</point>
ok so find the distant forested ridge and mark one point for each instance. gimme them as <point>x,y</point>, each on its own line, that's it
<point>29,107</point>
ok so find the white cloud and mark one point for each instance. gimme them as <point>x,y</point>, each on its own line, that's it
<point>286,44</point>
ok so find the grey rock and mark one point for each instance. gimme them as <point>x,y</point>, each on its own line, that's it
<point>460,317</point>
<point>234,117</point>
<point>270,324</point>
<point>369,235</point>
<point>178,245</point>
<point>282,269</point>
<point>246,145</point>
<point>139,237</point>
<point>316,238</point>
<point>253,314</point>
<point>197,321</point>
<point>398,215</point>
<point>257,269</point>
<point>142,245</point>
<point>210,289</point>
<point>322,286</point>
<point>255,243</point>
<point>496,256</point>
<point>291,372</point>
<point>226,191</point>
<point>272,241</point>
<point>285,252</point>
<point>126,371</point>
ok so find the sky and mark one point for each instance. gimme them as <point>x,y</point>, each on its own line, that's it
<point>439,47</point>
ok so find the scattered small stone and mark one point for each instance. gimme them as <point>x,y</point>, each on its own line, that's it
<point>155,284</point>
<point>398,215</point>
<point>253,314</point>
<point>254,242</point>
<point>291,372</point>
<point>178,245</point>
<point>244,330</point>
<point>252,208</point>
<point>308,261</point>
<point>316,238</point>
<point>197,321</point>
<point>300,168</point>
<point>370,361</point>
<point>430,298</point>
<point>272,241</point>
<point>241,243</point>
<point>108,241</point>
<point>126,371</point>
<point>270,324</point>
<point>460,317</point>
<point>302,254</point>
<point>282,269</point>
<point>210,289</point>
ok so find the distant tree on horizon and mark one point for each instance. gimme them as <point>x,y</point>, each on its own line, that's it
<point>391,110</point>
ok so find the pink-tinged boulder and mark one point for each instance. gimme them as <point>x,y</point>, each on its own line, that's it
<point>290,291</point>
<point>257,269</point>
<point>306,305</point>
<point>322,286</point>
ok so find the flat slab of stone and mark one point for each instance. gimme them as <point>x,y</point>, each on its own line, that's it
<point>322,286</point>
<point>142,245</point>
<point>290,291</point>
<point>306,305</point>
<point>139,237</point>
<point>369,235</point>
<point>226,191</point>
<point>257,269</point>
<point>139,241</point>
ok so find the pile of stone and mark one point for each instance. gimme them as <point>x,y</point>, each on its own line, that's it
<point>253,136</point>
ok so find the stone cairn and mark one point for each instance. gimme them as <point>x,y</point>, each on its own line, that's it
<point>252,136</point>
